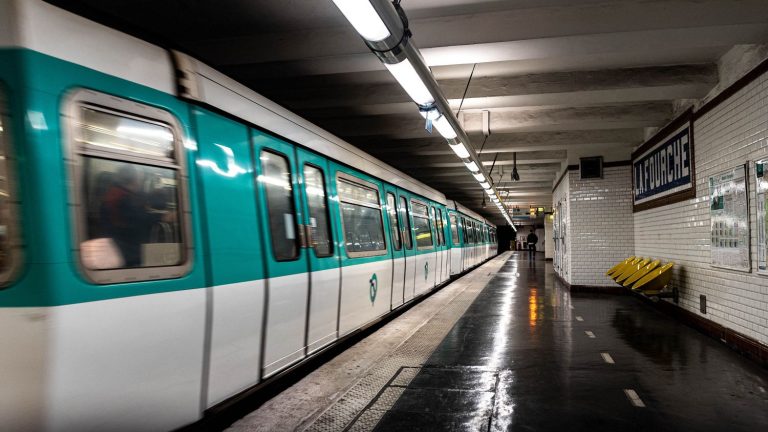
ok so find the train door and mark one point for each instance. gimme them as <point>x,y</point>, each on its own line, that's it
<point>234,254</point>
<point>444,258</point>
<point>323,255</point>
<point>409,249</point>
<point>285,260</point>
<point>366,270</point>
<point>438,259</point>
<point>455,250</point>
<point>464,243</point>
<point>425,249</point>
<point>398,253</point>
<point>442,217</point>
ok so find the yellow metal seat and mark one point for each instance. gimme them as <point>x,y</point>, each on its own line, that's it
<point>619,266</point>
<point>640,273</point>
<point>632,269</point>
<point>616,275</point>
<point>655,281</point>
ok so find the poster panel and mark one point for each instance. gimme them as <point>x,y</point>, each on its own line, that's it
<point>761,207</point>
<point>729,219</point>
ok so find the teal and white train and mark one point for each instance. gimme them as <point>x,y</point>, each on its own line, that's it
<point>170,239</point>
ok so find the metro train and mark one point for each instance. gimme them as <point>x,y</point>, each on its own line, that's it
<point>170,239</point>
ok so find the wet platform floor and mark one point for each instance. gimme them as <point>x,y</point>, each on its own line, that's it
<point>528,355</point>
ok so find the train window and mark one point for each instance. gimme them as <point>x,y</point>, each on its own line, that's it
<point>421,225</point>
<point>276,178</point>
<point>433,221</point>
<point>130,190</point>
<point>440,227</point>
<point>10,250</point>
<point>393,226</point>
<point>406,222</point>
<point>319,223</point>
<point>361,217</point>
<point>454,229</point>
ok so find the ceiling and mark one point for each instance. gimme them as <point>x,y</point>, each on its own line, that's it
<point>560,78</point>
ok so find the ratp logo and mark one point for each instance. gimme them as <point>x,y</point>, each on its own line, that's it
<point>373,287</point>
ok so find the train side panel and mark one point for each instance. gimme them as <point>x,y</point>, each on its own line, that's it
<point>236,288</point>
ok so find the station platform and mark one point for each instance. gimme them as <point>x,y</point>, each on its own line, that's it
<point>507,347</point>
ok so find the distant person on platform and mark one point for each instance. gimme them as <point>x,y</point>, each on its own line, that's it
<point>532,239</point>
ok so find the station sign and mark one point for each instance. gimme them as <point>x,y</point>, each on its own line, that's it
<point>663,167</point>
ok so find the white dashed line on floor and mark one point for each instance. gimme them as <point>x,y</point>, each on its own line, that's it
<point>634,398</point>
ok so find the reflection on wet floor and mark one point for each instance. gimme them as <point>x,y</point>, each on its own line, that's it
<point>518,359</point>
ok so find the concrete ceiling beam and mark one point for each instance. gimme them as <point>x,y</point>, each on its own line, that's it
<point>406,126</point>
<point>507,142</point>
<point>491,27</point>
<point>648,44</point>
<point>485,92</point>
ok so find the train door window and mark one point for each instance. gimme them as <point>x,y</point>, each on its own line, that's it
<point>361,217</point>
<point>407,239</point>
<point>276,178</point>
<point>10,251</point>
<point>130,189</point>
<point>393,225</point>
<point>454,229</point>
<point>433,220</point>
<point>467,231</point>
<point>421,225</point>
<point>319,223</point>
<point>464,230</point>
<point>440,228</point>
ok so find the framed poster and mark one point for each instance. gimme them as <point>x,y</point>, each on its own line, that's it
<point>729,219</point>
<point>761,207</point>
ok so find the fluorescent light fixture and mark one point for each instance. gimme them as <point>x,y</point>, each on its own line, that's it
<point>485,185</point>
<point>489,192</point>
<point>461,151</point>
<point>479,177</point>
<point>472,166</point>
<point>406,75</point>
<point>364,18</point>
<point>443,126</point>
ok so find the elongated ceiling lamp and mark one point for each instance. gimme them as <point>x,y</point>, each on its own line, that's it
<point>384,28</point>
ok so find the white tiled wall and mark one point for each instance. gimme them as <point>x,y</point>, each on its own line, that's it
<point>733,133</point>
<point>601,222</point>
<point>560,202</point>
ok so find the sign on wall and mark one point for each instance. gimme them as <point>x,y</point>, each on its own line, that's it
<point>729,219</point>
<point>761,207</point>
<point>663,168</point>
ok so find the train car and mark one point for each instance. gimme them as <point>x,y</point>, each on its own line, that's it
<point>472,238</point>
<point>170,239</point>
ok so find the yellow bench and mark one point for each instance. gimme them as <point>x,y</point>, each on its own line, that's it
<point>632,269</point>
<point>655,281</point>
<point>619,267</point>
<point>640,273</point>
